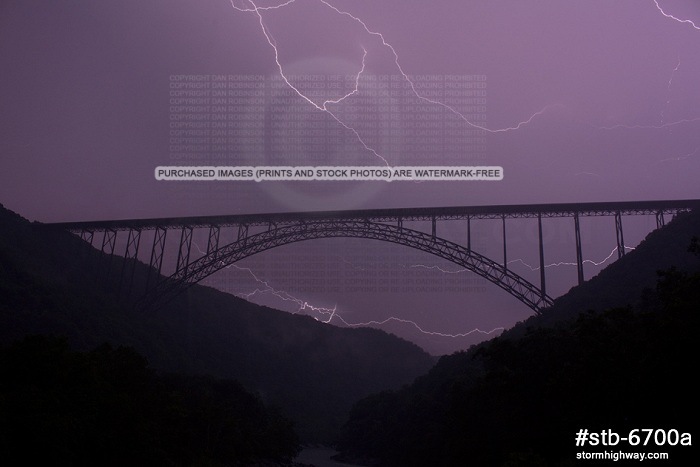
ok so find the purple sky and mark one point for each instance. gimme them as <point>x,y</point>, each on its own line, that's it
<point>85,111</point>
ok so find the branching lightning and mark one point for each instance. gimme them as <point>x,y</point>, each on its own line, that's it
<point>331,313</point>
<point>411,84</point>
<point>328,314</point>
<point>564,263</point>
<point>421,330</point>
<point>521,261</point>
<point>326,106</point>
<point>663,125</point>
<point>257,10</point>
<point>303,305</point>
<point>532,268</point>
<point>322,107</point>
<point>268,289</point>
<point>658,7</point>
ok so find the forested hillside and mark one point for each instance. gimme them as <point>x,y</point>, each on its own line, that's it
<point>107,407</point>
<point>520,398</point>
<point>50,284</point>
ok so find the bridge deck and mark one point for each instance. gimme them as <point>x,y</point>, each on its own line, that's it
<point>399,214</point>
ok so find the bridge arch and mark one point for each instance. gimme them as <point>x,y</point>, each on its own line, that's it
<point>247,246</point>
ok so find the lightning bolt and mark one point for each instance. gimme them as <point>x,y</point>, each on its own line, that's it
<point>658,7</point>
<point>650,127</point>
<point>632,127</point>
<point>668,88</point>
<point>563,263</point>
<point>421,330</point>
<point>532,268</point>
<point>257,10</point>
<point>521,261</point>
<point>438,268</point>
<point>261,8</point>
<point>322,107</point>
<point>413,88</point>
<point>281,294</point>
<point>268,289</point>
<point>680,158</point>
<point>332,312</point>
<point>654,127</point>
<point>670,80</point>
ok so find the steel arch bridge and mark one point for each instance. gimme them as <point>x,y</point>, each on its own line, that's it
<point>260,232</point>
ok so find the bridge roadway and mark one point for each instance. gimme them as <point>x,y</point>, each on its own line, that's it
<point>379,224</point>
<point>624,208</point>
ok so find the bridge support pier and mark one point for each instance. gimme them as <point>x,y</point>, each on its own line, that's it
<point>156,262</point>
<point>469,233</point>
<point>183,253</point>
<point>505,253</point>
<point>109,241</point>
<point>543,286</point>
<point>213,242</point>
<point>579,254</point>
<point>132,251</point>
<point>618,234</point>
<point>87,236</point>
<point>660,221</point>
<point>242,232</point>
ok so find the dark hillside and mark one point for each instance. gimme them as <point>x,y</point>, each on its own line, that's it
<point>314,371</point>
<point>519,399</point>
<point>623,281</point>
<point>107,407</point>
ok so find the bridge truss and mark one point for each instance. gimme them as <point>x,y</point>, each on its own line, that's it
<point>260,232</point>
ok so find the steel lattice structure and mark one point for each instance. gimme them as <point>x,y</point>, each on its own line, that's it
<point>379,224</point>
<point>248,246</point>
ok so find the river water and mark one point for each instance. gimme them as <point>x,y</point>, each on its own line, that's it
<point>320,457</point>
